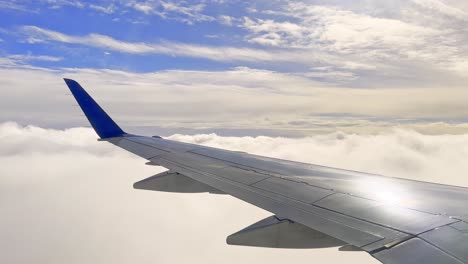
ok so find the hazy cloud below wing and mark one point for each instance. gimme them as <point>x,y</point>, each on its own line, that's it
<point>62,191</point>
<point>66,196</point>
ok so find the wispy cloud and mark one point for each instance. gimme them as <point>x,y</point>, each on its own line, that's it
<point>226,20</point>
<point>36,34</point>
<point>442,8</point>
<point>270,32</point>
<point>344,32</point>
<point>360,44</point>
<point>110,9</point>
<point>142,7</point>
<point>387,39</point>
<point>16,6</point>
<point>29,57</point>
<point>55,4</point>
<point>106,7</point>
<point>175,10</point>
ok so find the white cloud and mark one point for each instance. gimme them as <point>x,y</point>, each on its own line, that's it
<point>78,197</point>
<point>330,73</point>
<point>110,9</point>
<point>344,32</point>
<point>55,4</point>
<point>62,191</point>
<point>406,43</point>
<point>226,20</point>
<point>16,6</point>
<point>348,31</point>
<point>461,5</point>
<point>443,8</point>
<point>6,62</point>
<point>29,57</point>
<point>145,8</point>
<point>389,38</point>
<point>270,32</point>
<point>397,153</point>
<point>176,10</point>
<point>107,7</point>
<point>36,34</point>
<point>240,101</point>
<point>300,56</point>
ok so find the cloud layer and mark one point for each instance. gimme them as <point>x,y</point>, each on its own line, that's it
<point>288,68</point>
<point>238,99</point>
<point>66,197</point>
<point>399,153</point>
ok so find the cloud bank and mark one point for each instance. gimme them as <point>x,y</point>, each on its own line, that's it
<point>243,100</point>
<point>65,196</point>
<point>397,153</point>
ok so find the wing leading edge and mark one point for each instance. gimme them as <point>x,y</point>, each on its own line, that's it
<point>315,206</point>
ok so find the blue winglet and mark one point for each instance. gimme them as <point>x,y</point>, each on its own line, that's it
<point>104,126</point>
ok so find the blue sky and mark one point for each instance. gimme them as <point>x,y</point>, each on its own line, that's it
<point>287,65</point>
<point>204,23</point>
<point>329,40</point>
<point>119,21</point>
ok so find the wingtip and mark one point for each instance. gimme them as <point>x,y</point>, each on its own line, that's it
<point>101,122</point>
<point>67,80</point>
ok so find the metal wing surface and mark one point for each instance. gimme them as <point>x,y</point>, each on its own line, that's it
<point>395,220</point>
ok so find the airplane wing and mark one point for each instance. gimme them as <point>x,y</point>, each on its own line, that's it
<point>397,221</point>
